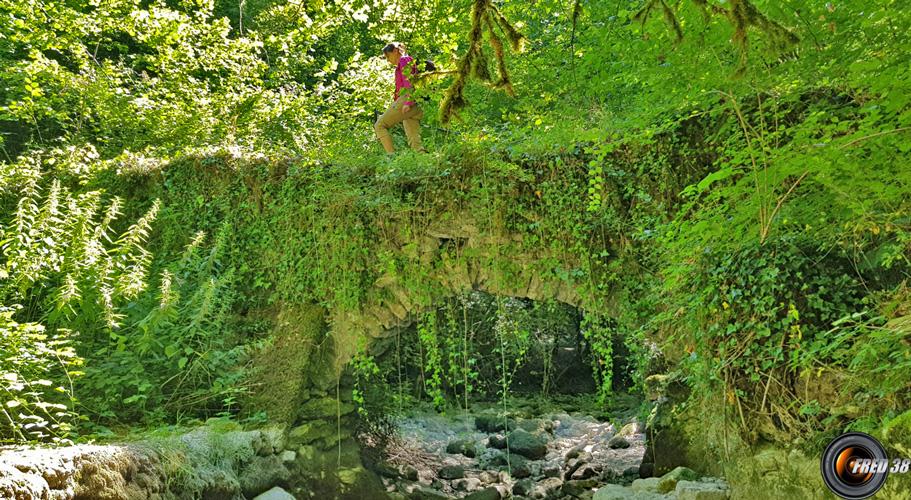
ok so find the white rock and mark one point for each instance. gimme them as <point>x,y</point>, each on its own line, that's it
<point>275,494</point>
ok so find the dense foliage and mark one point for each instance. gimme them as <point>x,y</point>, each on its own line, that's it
<point>728,179</point>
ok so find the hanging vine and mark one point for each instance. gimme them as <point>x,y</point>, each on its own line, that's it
<point>742,15</point>
<point>485,17</point>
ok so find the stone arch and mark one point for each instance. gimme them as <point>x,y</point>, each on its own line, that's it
<point>457,256</point>
<point>390,303</point>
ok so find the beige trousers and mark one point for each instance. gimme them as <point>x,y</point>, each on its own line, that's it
<point>410,120</point>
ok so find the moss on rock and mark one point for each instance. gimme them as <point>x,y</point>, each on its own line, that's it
<point>283,369</point>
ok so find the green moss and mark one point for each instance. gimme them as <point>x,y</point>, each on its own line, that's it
<point>281,376</point>
<point>897,433</point>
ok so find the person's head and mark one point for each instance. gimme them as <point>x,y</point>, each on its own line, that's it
<point>393,52</point>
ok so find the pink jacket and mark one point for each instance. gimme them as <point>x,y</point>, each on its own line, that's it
<point>401,82</point>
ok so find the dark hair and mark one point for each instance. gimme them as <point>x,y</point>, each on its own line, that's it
<point>392,46</point>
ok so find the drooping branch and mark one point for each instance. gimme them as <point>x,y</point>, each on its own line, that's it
<point>742,15</point>
<point>485,17</point>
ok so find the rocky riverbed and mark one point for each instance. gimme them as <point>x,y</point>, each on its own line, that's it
<point>478,456</point>
<point>554,455</point>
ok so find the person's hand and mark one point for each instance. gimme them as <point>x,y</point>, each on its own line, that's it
<point>406,108</point>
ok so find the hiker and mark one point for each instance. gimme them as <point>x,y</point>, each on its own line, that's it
<point>403,108</point>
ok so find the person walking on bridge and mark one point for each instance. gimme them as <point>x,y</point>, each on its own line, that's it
<point>403,108</point>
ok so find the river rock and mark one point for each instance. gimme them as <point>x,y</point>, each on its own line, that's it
<point>694,490</point>
<point>523,487</point>
<point>612,492</point>
<point>649,485</point>
<point>488,477</point>
<point>618,442</point>
<point>574,464</point>
<point>409,473</point>
<point>527,444</point>
<point>521,470</point>
<point>485,494</point>
<point>669,481</point>
<point>452,472</point>
<point>631,472</point>
<point>584,472</point>
<point>462,447</point>
<point>427,493</point>
<point>646,469</point>
<point>547,488</point>
<point>486,422</point>
<point>535,425</point>
<point>275,494</point>
<point>551,471</point>
<point>466,484</point>
<point>497,441</point>
<point>425,477</point>
<point>385,470</point>
<point>518,465</point>
<point>578,488</point>
<point>574,452</point>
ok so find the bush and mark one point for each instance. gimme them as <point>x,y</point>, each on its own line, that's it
<point>37,372</point>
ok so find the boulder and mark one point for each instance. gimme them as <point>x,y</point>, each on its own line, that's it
<point>649,485</point>
<point>574,452</point>
<point>486,422</point>
<point>574,464</point>
<point>527,444</point>
<point>462,447</point>
<point>488,477</point>
<point>584,472</point>
<point>612,492</point>
<point>409,473</point>
<point>426,493</point>
<point>536,425</point>
<point>497,441</point>
<point>384,469</point>
<point>646,469</point>
<point>520,470</point>
<point>466,484</point>
<point>523,487</point>
<point>485,494</point>
<point>451,472</point>
<point>618,443</point>
<point>518,465</point>
<point>617,492</point>
<point>547,488</point>
<point>578,488</point>
<point>668,482</point>
<point>695,490</point>
<point>551,471</point>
